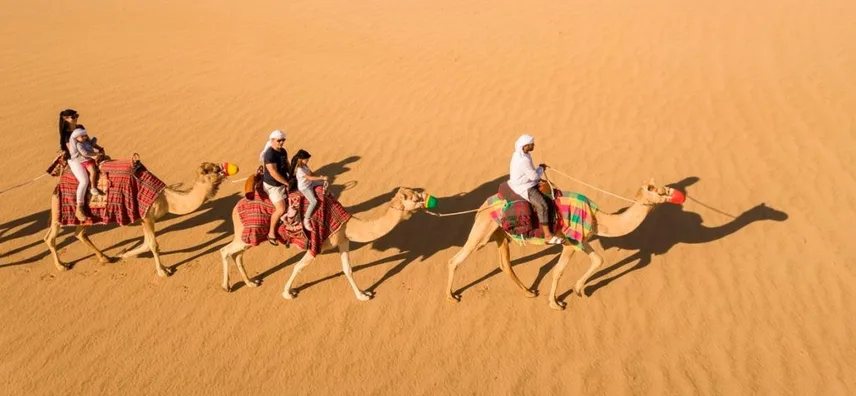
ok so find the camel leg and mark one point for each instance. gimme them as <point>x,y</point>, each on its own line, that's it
<point>344,247</point>
<point>144,247</point>
<point>80,233</point>
<point>239,261</point>
<point>453,264</point>
<point>564,259</point>
<point>505,265</point>
<point>152,243</point>
<point>288,293</point>
<point>596,262</point>
<point>484,230</point>
<point>233,250</point>
<point>50,240</point>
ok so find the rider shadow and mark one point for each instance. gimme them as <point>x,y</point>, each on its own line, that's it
<point>334,170</point>
<point>666,226</point>
<point>422,236</point>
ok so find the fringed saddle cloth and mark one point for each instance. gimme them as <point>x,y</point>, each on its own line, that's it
<point>129,190</point>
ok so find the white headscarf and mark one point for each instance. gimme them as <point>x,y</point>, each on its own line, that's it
<point>276,134</point>
<point>523,140</point>
<point>78,133</point>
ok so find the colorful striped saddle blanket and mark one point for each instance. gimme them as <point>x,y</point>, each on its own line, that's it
<point>572,215</point>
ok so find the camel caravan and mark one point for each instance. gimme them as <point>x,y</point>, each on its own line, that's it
<point>285,203</point>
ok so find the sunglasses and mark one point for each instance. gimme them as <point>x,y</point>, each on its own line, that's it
<point>280,140</point>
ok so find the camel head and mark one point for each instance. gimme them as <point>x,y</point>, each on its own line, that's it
<point>651,195</point>
<point>210,173</point>
<point>408,201</point>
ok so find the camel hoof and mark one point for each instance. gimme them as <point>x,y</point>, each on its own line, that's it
<point>226,288</point>
<point>254,283</point>
<point>364,296</point>
<point>455,298</point>
<point>289,294</point>
<point>107,260</point>
<point>557,305</point>
<point>165,273</point>
<point>530,293</point>
<point>578,290</point>
<point>63,267</point>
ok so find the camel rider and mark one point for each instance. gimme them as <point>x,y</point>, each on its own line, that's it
<point>275,179</point>
<point>523,180</point>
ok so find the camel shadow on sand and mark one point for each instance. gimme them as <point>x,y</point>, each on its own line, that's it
<point>666,227</point>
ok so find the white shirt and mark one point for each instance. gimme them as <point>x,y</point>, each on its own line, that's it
<point>302,183</point>
<point>522,174</point>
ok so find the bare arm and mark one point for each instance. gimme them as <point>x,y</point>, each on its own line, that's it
<point>316,178</point>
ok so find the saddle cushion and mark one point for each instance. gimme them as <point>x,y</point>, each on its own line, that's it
<point>518,217</point>
<point>329,216</point>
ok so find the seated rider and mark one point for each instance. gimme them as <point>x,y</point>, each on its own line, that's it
<point>523,180</point>
<point>275,179</point>
<point>88,153</point>
<point>306,182</point>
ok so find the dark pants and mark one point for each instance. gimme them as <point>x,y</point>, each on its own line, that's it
<point>539,204</point>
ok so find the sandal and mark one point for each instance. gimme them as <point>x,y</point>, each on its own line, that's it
<point>272,240</point>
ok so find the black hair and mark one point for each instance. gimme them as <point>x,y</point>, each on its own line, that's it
<point>64,133</point>
<point>299,155</point>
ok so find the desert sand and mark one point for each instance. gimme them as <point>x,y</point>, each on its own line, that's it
<point>741,104</point>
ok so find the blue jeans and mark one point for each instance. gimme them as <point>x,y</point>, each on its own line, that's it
<point>313,202</point>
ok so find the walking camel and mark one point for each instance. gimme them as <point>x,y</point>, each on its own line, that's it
<point>486,230</point>
<point>170,200</point>
<point>404,203</point>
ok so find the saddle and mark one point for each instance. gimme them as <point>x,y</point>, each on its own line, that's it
<point>518,216</point>
<point>253,184</point>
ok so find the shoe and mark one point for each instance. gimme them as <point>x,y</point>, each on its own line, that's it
<point>80,214</point>
<point>94,191</point>
<point>272,240</point>
<point>555,241</point>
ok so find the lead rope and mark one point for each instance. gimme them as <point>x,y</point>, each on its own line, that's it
<point>590,186</point>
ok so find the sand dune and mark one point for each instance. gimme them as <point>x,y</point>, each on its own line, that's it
<point>746,289</point>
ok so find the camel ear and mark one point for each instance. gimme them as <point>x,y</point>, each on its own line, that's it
<point>651,181</point>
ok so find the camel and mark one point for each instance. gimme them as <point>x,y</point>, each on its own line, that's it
<point>486,230</point>
<point>170,200</point>
<point>404,203</point>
